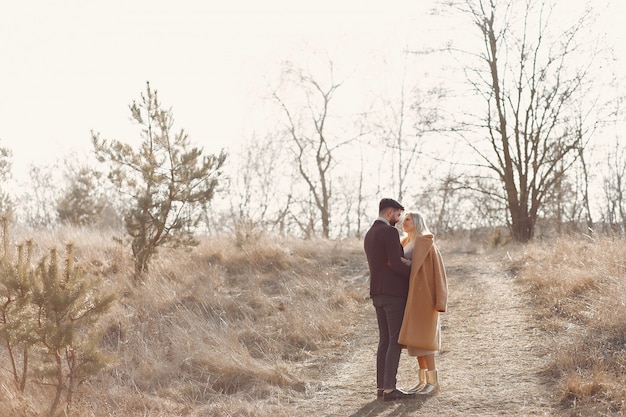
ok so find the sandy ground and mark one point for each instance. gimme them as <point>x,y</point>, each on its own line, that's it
<point>490,364</point>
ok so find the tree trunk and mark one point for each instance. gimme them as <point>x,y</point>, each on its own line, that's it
<point>522,223</point>
<point>59,385</point>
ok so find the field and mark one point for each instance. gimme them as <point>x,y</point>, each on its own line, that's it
<point>284,327</point>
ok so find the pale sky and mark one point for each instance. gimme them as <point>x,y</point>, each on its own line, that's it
<point>68,67</point>
<point>72,66</point>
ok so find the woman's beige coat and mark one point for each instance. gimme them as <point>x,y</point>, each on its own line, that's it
<point>428,296</point>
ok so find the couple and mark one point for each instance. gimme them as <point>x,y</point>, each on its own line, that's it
<point>408,287</point>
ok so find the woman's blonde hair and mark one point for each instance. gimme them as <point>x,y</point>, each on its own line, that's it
<point>420,224</point>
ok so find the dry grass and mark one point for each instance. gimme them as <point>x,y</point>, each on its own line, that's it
<point>227,330</point>
<point>579,288</point>
<point>221,330</point>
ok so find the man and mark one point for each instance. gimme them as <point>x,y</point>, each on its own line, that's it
<point>389,286</point>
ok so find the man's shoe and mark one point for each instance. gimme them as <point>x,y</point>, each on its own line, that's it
<point>379,393</point>
<point>397,394</point>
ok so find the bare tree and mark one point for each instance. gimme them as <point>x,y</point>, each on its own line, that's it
<point>526,81</point>
<point>407,113</point>
<point>38,204</point>
<point>6,204</point>
<point>260,193</point>
<point>592,110</point>
<point>615,190</point>
<point>305,101</point>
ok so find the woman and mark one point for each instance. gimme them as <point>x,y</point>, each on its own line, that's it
<point>428,296</point>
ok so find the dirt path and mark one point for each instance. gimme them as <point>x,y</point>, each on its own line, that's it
<point>489,366</point>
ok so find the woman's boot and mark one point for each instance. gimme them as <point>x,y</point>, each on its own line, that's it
<point>432,384</point>
<point>422,381</point>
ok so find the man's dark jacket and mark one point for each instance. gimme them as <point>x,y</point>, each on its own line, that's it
<point>388,275</point>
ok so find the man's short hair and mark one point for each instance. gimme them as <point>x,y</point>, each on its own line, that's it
<point>389,202</point>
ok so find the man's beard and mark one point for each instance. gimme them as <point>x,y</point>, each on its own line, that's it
<point>393,222</point>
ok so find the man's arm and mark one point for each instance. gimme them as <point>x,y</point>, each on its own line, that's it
<point>394,253</point>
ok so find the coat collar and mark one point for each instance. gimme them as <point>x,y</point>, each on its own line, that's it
<point>382,219</point>
<point>422,247</point>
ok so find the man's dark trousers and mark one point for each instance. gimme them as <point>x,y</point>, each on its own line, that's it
<point>389,312</point>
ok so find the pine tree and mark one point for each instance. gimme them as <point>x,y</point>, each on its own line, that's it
<point>68,304</point>
<point>167,181</point>
<point>48,317</point>
<point>81,205</point>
